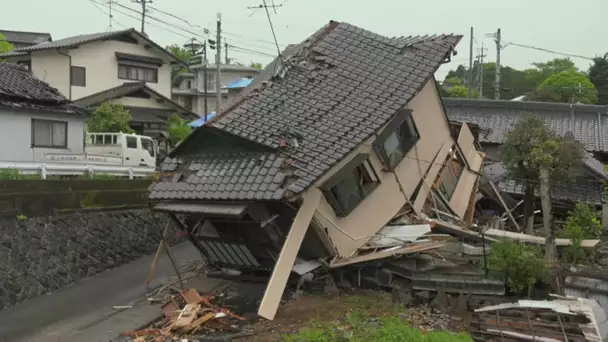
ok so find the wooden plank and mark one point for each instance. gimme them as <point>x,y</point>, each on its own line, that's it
<point>289,252</point>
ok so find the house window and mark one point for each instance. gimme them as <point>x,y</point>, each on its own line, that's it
<point>50,134</point>
<point>351,185</point>
<point>137,73</point>
<point>131,142</point>
<point>451,174</point>
<point>78,76</point>
<point>210,81</point>
<point>188,84</point>
<point>397,139</point>
<point>188,104</point>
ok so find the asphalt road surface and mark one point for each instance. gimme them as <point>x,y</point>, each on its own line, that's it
<point>84,311</point>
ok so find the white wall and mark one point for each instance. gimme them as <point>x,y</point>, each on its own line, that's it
<point>52,68</point>
<point>99,59</point>
<point>16,135</point>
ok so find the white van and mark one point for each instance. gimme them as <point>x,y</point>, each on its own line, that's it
<point>114,149</point>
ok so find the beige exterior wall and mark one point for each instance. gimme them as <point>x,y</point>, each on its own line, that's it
<point>101,65</point>
<point>374,212</point>
<point>52,68</point>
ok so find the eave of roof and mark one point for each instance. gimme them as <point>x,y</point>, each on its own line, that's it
<point>126,89</point>
<point>70,42</point>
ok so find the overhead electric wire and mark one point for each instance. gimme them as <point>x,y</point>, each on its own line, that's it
<point>243,50</point>
<point>548,50</point>
<point>99,8</point>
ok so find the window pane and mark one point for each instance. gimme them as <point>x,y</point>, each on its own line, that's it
<point>392,148</point>
<point>42,133</point>
<point>407,131</point>
<point>123,71</point>
<point>347,193</point>
<point>448,184</point>
<point>131,142</point>
<point>59,134</point>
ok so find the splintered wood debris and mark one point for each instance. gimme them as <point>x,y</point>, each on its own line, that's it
<point>189,315</point>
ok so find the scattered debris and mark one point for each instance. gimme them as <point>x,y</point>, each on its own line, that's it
<point>562,319</point>
<point>190,315</point>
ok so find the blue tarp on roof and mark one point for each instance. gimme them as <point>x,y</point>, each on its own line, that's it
<point>201,121</point>
<point>242,83</point>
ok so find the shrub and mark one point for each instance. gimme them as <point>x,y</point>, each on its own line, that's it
<point>583,223</point>
<point>519,265</point>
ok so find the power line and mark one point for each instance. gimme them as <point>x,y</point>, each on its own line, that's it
<point>549,51</point>
<point>98,7</point>
<point>250,51</point>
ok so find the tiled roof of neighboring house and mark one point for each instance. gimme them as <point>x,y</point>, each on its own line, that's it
<point>124,90</point>
<point>19,89</point>
<point>585,190</point>
<point>334,91</point>
<point>588,123</point>
<point>71,42</point>
<point>23,37</point>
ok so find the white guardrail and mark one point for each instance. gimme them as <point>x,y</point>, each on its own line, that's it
<point>70,169</point>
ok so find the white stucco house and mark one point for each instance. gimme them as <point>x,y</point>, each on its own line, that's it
<point>124,66</point>
<point>35,118</point>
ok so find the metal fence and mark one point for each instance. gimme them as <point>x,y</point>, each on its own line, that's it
<point>45,170</point>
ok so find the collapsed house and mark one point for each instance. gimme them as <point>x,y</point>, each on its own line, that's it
<point>337,137</point>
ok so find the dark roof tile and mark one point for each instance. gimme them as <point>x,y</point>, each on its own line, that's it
<point>333,91</point>
<point>588,123</point>
<point>20,89</point>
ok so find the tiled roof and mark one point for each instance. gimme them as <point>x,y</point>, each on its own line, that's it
<point>20,89</point>
<point>337,88</point>
<point>246,176</point>
<point>126,89</point>
<point>584,189</point>
<point>588,123</point>
<point>23,37</point>
<point>74,41</point>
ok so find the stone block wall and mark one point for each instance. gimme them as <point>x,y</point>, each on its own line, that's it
<point>43,254</point>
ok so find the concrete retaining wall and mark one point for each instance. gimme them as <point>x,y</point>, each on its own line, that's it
<point>42,254</point>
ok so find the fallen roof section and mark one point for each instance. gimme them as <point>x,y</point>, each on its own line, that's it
<point>563,319</point>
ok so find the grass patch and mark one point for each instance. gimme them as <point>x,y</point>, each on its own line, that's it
<point>361,328</point>
<point>363,318</point>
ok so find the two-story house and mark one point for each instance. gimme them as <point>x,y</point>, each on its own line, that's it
<point>21,39</point>
<point>123,67</point>
<point>343,133</point>
<point>189,88</point>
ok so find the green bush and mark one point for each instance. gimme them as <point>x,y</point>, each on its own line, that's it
<point>583,223</point>
<point>518,264</point>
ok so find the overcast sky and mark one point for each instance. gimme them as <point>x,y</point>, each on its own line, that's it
<point>575,27</point>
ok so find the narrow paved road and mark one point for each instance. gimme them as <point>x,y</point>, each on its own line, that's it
<point>84,311</point>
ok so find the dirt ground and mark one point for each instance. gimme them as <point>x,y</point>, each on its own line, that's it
<point>307,311</point>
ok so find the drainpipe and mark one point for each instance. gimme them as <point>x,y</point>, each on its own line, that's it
<point>70,73</point>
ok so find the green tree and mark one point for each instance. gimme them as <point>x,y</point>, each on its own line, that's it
<point>110,117</point>
<point>598,74</point>
<point>5,46</point>
<point>530,145</point>
<point>182,54</point>
<point>519,265</point>
<point>258,66</point>
<point>178,129</point>
<point>566,86</point>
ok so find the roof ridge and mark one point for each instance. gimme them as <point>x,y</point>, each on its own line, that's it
<point>32,32</point>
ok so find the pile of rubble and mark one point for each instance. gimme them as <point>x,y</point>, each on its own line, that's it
<point>188,315</point>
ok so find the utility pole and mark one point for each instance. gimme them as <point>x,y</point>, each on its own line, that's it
<point>143,13</point>
<point>205,79</point>
<point>480,72</point>
<point>470,76</point>
<point>218,60</point>
<point>226,51</point>
<point>497,80</point>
